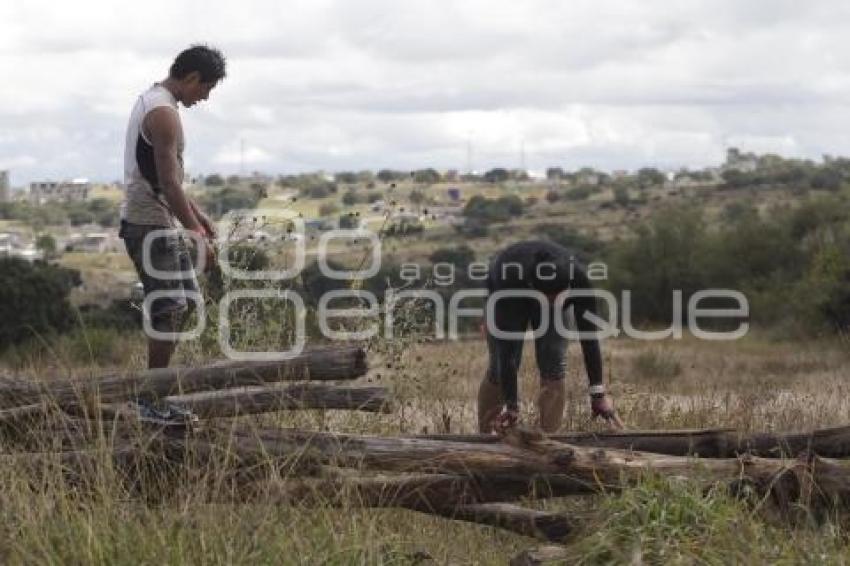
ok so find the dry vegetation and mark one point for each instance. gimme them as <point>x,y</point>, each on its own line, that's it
<point>750,384</point>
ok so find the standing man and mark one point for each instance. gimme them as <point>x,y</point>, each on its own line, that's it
<point>155,201</point>
<point>549,269</point>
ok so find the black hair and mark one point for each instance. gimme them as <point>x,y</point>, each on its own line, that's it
<point>206,60</point>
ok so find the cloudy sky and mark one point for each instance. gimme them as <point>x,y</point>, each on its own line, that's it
<point>367,84</point>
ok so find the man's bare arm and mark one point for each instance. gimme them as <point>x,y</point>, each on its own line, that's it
<point>163,127</point>
<point>203,219</point>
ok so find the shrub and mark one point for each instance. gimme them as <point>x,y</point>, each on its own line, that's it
<point>34,300</point>
<point>579,193</point>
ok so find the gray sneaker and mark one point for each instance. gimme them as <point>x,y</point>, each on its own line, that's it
<point>161,413</point>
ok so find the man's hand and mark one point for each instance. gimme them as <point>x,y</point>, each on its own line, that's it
<point>506,420</point>
<point>602,406</point>
<point>206,247</point>
<point>206,223</point>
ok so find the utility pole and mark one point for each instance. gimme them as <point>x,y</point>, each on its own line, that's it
<point>242,157</point>
<point>522,155</point>
<point>469,153</point>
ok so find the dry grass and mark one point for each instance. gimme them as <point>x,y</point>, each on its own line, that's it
<point>751,384</point>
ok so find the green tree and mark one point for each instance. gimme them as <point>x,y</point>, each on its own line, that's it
<point>345,177</point>
<point>621,195</point>
<point>649,177</point>
<point>348,221</point>
<point>388,175</point>
<point>554,173</point>
<point>44,289</point>
<point>426,176</point>
<point>497,175</point>
<point>46,244</point>
<point>214,180</point>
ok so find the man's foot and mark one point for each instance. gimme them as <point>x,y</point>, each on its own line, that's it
<point>164,414</point>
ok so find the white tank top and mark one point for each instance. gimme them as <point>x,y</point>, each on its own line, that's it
<point>143,199</point>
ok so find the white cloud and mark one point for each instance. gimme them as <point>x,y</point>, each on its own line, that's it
<point>349,85</point>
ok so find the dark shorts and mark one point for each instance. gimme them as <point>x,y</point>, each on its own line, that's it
<point>168,253</point>
<point>550,349</point>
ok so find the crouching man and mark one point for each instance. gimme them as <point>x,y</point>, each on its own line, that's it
<point>550,269</point>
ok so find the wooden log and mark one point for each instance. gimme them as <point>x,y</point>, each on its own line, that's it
<point>20,418</point>
<point>410,491</point>
<point>566,468</point>
<point>542,555</point>
<point>340,363</point>
<point>455,497</point>
<point>705,443</point>
<point>253,400</point>
<point>528,522</point>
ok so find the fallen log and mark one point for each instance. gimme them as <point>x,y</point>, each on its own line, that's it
<point>20,418</point>
<point>567,469</point>
<point>454,497</point>
<point>705,443</point>
<point>529,522</point>
<point>325,364</point>
<point>253,400</point>
<point>548,554</point>
<point>410,491</point>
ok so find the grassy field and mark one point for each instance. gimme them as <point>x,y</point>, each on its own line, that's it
<point>752,384</point>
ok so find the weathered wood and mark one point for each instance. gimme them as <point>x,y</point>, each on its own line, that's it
<point>341,363</point>
<point>22,417</point>
<point>253,400</point>
<point>529,522</point>
<point>540,556</point>
<point>455,497</point>
<point>567,469</point>
<point>705,443</point>
<point>411,491</point>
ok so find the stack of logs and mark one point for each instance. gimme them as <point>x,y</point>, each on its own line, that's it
<point>469,477</point>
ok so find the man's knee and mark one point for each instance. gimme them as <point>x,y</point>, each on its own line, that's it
<point>170,321</point>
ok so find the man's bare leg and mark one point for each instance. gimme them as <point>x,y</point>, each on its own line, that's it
<point>550,403</point>
<point>489,404</point>
<point>159,352</point>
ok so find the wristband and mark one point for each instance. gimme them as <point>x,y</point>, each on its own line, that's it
<point>596,390</point>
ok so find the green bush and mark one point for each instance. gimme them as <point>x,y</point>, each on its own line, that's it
<point>493,210</point>
<point>34,300</point>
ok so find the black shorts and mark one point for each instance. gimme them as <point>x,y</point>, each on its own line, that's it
<point>550,349</point>
<point>168,253</point>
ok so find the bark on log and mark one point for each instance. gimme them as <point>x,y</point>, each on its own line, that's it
<point>705,443</point>
<point>21,418</point>
<point>318,365</point>
<point>548,554</point>
<point>253,400</point>
<point>529,522</point>
<point>411,491</point>
<point>455,497</point>
<point>567,469</point>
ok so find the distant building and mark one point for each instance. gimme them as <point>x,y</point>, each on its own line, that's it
<point>10,242</point>
<point>54,191</point>
<point>92,242</point>
<point>588,179</point>
<point>5,189</point>
<point>13,245</point>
